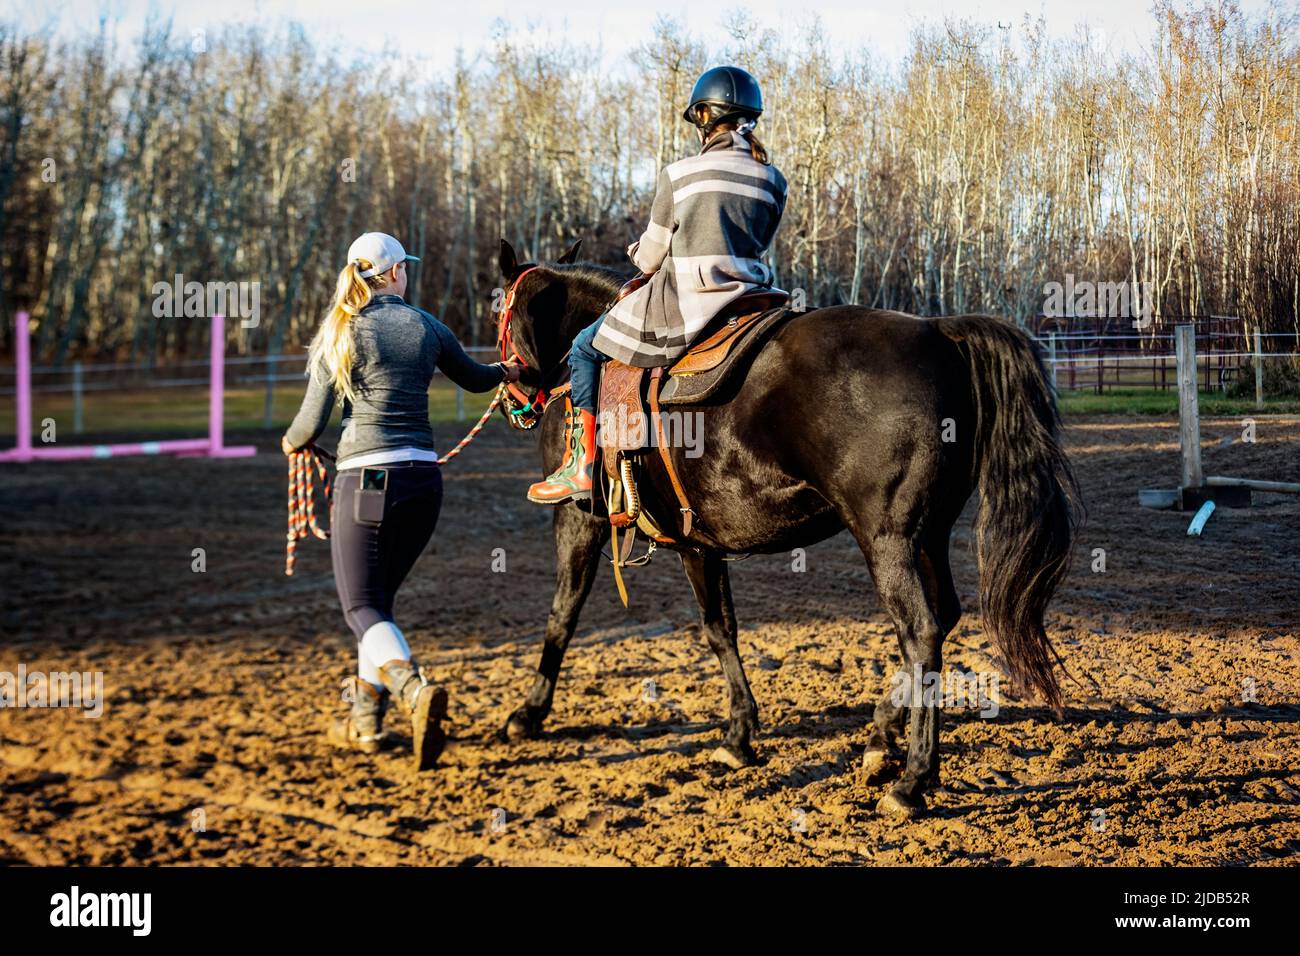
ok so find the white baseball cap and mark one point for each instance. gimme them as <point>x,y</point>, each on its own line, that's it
<point>381,250</point>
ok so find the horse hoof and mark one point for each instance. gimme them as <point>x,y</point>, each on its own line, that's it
<point>734,759</point>
<point>518,728</point>
<point>879,765</point>
<point>895,806</point>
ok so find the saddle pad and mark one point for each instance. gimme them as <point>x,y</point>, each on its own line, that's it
<point>619,412</point>
<point>692,388</point>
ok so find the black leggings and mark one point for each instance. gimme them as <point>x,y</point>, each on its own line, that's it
<point>372,560</point>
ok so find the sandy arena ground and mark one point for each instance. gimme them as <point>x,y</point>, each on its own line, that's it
<point>219,685</point>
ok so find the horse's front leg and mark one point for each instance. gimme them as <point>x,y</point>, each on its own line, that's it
<point>712,586</point>
<point>578,540</point>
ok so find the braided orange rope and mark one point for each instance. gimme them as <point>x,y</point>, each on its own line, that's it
<point>302,484</point>
<point>478,427</point>
<point>302,498</point>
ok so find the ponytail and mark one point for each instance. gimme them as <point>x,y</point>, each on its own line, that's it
<point>333,345</point>
<point>756,149</point>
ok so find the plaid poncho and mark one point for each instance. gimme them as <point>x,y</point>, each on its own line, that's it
<point>713,217</point>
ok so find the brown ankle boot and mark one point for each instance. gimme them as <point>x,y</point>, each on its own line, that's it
<point>426,705</point>
<point>362,729</point>
<point>572,480</point>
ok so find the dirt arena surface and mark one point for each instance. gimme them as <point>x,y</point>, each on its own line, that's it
<point>219,685</point>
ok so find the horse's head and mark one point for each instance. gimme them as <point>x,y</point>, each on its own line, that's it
<point>545,307</point>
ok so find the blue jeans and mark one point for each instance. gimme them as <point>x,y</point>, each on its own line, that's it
<point>584,367</point>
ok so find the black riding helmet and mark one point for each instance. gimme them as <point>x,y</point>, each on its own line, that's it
<point>729,88</point>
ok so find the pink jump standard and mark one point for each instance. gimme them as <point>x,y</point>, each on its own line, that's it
<point>213,446</point>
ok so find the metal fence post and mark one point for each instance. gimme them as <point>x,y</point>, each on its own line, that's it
<point>78,422</point>
<point>268,408</point>
<point>1259,370</point>
<point>1051,352</point>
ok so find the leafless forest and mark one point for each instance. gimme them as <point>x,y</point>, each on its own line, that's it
<point>960,175</point>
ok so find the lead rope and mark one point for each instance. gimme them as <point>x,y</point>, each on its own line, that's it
<point>302,498</point>
<point>478,427</point>
<point>302,483</point>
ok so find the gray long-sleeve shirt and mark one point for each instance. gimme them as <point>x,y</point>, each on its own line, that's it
<point>396,348</point>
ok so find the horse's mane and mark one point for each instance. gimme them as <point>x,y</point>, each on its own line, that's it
<point>591,290</point>
<point>597,280</point>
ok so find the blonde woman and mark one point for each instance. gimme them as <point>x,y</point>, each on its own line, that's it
<point>376,355</point>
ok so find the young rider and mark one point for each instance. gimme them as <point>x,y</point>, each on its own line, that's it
<point>712,219</point>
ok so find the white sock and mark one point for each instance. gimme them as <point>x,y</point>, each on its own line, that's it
<point>367,671</point>
<point>381,643</point>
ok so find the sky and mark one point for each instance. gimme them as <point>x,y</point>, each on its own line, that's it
<point>435,29</point>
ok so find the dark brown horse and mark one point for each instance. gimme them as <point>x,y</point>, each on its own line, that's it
<point>850,418</point>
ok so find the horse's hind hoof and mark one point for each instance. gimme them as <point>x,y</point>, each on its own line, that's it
<point>519,727</point>
<point>734,757</point>
<point>879,766</point>
<point>896,806</point>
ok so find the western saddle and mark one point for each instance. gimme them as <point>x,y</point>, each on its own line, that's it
<point>723,350</point>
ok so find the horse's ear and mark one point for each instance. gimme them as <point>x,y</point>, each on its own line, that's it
<point>509,264</point>
<point>572,254</point>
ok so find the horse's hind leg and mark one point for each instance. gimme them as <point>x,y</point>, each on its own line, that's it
<point>578,539</point>
<point>896,566</point>
<point>712,586</point>
<point>881,761</point>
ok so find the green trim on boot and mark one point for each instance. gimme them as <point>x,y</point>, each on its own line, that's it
<point>572,480</point>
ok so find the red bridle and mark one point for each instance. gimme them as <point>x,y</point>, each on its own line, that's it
<point>524,411</point>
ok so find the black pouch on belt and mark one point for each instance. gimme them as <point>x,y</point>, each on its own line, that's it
<point>368,503</point>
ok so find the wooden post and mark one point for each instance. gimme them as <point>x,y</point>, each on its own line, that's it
<point>1259,370</point>
<point>1189,413</point>
<point>460,404</point>
<point>78,421</point>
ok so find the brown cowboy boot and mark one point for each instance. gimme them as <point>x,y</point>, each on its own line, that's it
<point>362,728</point>
<point>572,480</point>
<point>426,704</point>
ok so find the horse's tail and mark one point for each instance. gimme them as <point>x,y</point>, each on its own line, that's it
<point>1030,507</point>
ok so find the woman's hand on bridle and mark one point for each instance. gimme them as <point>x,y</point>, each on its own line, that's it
<point>512,370</point>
